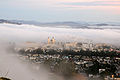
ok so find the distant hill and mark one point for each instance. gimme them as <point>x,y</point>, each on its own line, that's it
<point>67,24</point>
<point>56,24</point>
<point>10,22</point>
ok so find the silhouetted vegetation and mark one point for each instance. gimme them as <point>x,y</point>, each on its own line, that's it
<point>3,78</point>
<point>71,52</point>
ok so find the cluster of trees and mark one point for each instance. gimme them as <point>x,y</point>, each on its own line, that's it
<point>110,69</point>
<point>3,78</point>
<point>71,52</point>
<point>60,67</point>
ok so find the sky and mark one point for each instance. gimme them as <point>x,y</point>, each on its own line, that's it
<point>61,10</point>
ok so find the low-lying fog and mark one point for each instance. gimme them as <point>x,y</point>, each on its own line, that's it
<point>13,33</point>
<point>18,70</point>
<point>15,69</point>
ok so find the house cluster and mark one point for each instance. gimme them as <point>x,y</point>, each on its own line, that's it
<point>93,66</point>
<point>82,63</point>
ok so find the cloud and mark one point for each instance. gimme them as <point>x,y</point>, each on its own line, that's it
<point>23,33</point>
<point>53,4</point>
<point>94,3</point>
<point>57,10</point>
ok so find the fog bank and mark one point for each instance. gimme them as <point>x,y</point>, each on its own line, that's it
<point>14,33</point>
<point>14,68</point>
<point>19,70</point>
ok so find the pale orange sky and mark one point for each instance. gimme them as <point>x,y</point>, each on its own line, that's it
<point>61,10</point>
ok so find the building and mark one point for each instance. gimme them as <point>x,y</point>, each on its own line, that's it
<point>52,41</point>
<point>48,40</point>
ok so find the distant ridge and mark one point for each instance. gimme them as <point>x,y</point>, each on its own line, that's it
<point>66,24</point>
<point>10,22</point>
